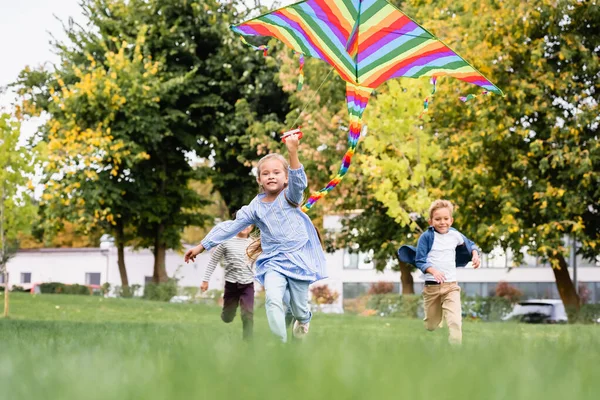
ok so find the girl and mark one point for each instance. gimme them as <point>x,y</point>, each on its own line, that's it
<point>292,257</point>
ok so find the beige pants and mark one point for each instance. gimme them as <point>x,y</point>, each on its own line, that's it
<point>443,299</point>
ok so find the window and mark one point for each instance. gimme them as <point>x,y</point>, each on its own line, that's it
<point>25,277</point>
<point>354,259</point>
<point>1,278</point>
<point>92,278</point>
<point>352,290</point>
<point>350,259</point>
<point>529,290</point>
<point>147,279</point>
<point>587,293</point>
<point>547,290</point>
<point>471,288</point>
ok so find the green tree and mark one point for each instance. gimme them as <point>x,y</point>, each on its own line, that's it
<point>523,169</point>
<point>193,65</point>
<point>100,124</point>
<point>16,207</point>
<point>397,163</point>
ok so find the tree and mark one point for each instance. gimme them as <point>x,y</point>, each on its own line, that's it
<point>191,66</point>
<point>522,169</point>
<point>16,208</point>
<point>99,126</point>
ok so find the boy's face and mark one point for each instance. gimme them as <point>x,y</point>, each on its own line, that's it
<point>441,220</point>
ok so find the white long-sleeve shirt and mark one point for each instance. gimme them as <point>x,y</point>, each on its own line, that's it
<point>233,258</point>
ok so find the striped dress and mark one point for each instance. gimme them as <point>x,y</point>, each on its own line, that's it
<point>289,240</point>
<point>232,254</point>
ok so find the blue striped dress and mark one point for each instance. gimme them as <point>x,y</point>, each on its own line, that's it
<point>288,238</point>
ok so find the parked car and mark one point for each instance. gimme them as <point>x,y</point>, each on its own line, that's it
<point>542,311</point>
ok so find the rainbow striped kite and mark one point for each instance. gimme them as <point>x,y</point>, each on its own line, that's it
<point>367,42</point>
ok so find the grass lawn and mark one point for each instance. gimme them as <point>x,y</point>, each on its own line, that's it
<point>78,347</point>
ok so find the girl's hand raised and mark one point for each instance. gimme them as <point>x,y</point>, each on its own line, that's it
<point>292,145</point>
<point>292,142</point>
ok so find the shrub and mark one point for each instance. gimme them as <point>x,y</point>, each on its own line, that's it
<point>323,295</point>
<point>191,291</point>
<point>485,308</point>
<point>511,293</point>
<point>160,291</point>
<point>587,314</point>
<point>394,305</point>
<point>381,288</point>
<point>356,306</point>
<point>61,288</point>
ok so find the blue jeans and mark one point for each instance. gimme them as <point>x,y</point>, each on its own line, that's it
<point>276,285</point>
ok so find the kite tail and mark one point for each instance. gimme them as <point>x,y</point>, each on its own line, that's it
<point>430,97</point>
<point>357,98</point>
<point>300,70</point>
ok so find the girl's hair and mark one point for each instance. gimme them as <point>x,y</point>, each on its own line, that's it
<point>436,205</point>
<point>255,248</point>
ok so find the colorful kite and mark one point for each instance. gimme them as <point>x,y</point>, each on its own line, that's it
<point>367,42</point>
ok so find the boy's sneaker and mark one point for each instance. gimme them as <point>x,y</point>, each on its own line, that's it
<point>300,330</point>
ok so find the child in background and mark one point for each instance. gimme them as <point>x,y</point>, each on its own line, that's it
<point>239,279</point>
<point>440,250</point>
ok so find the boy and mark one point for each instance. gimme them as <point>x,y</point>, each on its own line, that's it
<point>439,251</point>
<point>239,279</point>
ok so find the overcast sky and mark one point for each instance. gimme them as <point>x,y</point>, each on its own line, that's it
<point>25,33</point>
<point>25,27</point>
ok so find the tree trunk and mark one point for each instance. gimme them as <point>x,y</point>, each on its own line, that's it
<point>408,285</point>
<point>120,239</point>
<point>564,284</point>
<point>6,292</point>
<point>160,252</point>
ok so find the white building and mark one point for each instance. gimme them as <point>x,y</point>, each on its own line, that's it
<point>349,274</point>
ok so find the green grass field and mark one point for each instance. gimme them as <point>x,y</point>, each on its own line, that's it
<point>77,347</point>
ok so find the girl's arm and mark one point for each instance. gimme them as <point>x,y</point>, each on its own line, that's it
<point>228,229</point>
<point>292,146</point>
<point>222,232</point>
<point>297,181</point>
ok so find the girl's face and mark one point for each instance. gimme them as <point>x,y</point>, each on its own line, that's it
<point>272,176</point>
<point>441,220</point>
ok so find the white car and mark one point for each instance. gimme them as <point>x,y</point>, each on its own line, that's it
<point>542,311</point>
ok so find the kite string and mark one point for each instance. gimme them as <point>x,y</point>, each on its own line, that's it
<point>311,99</point>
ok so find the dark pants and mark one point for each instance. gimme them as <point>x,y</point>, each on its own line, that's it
<point>242,293</point>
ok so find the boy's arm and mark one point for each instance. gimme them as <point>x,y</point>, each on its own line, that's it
<point>421,256</point>
<point>212,264</point>
<point>473,249</point>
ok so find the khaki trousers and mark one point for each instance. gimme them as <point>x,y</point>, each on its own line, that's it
<point>443,299</point>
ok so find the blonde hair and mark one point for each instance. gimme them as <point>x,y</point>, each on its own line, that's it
<point>436,205</point>
<point>254,249</point>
